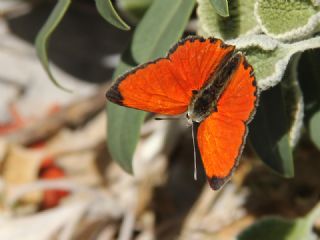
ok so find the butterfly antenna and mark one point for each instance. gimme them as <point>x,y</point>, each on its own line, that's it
<point>167,118</point>
<point>194,154</point>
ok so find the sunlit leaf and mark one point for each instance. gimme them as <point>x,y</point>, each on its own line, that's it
<point>241,19</point>
<point>287,20</point>
<point>270,57</point>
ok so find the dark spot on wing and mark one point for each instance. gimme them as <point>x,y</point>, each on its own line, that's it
<point>114,95</point>
<point>216,183</point>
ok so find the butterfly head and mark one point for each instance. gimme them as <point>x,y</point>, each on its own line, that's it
<point>203,102</point>
<point>189,119</point>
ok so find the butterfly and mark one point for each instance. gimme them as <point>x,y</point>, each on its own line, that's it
<point>208,81</point>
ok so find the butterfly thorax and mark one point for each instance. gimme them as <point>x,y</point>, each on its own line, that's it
<point>205,100</point>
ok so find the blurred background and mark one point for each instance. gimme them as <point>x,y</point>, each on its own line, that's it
<point>57,177</point>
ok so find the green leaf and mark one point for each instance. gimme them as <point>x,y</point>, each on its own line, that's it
<point>134,8</point>
<point>309,75</point>
<point>43,36</point>
<point>277,228</point>
<point>274,228</point>
<point>315,2</point>
<point>314,129</point>
<point>221,7</point>
<point>162,25</point>
<point>160,28</point>
<point>240,21</point>
<point>123,133</point>
<point>265,65</point>
<point>278,122</point>
<point>270,57</point>
<point>269,132</point>
<point>293,100</point>
<point>107,11</point>
<point>287,20</point>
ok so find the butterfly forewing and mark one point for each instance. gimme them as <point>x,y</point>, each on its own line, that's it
<point>165,85</point>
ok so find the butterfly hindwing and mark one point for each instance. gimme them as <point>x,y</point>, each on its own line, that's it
<point>165,85</point>
<point>221,136</point>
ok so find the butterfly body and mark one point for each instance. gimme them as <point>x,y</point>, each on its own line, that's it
<point>204,101</point>
<point>210,82</point>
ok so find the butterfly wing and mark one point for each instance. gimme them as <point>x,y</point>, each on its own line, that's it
<point>221,136</point>
<point>165,85</point>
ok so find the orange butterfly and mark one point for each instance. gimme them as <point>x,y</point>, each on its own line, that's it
<point>209,81</point>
